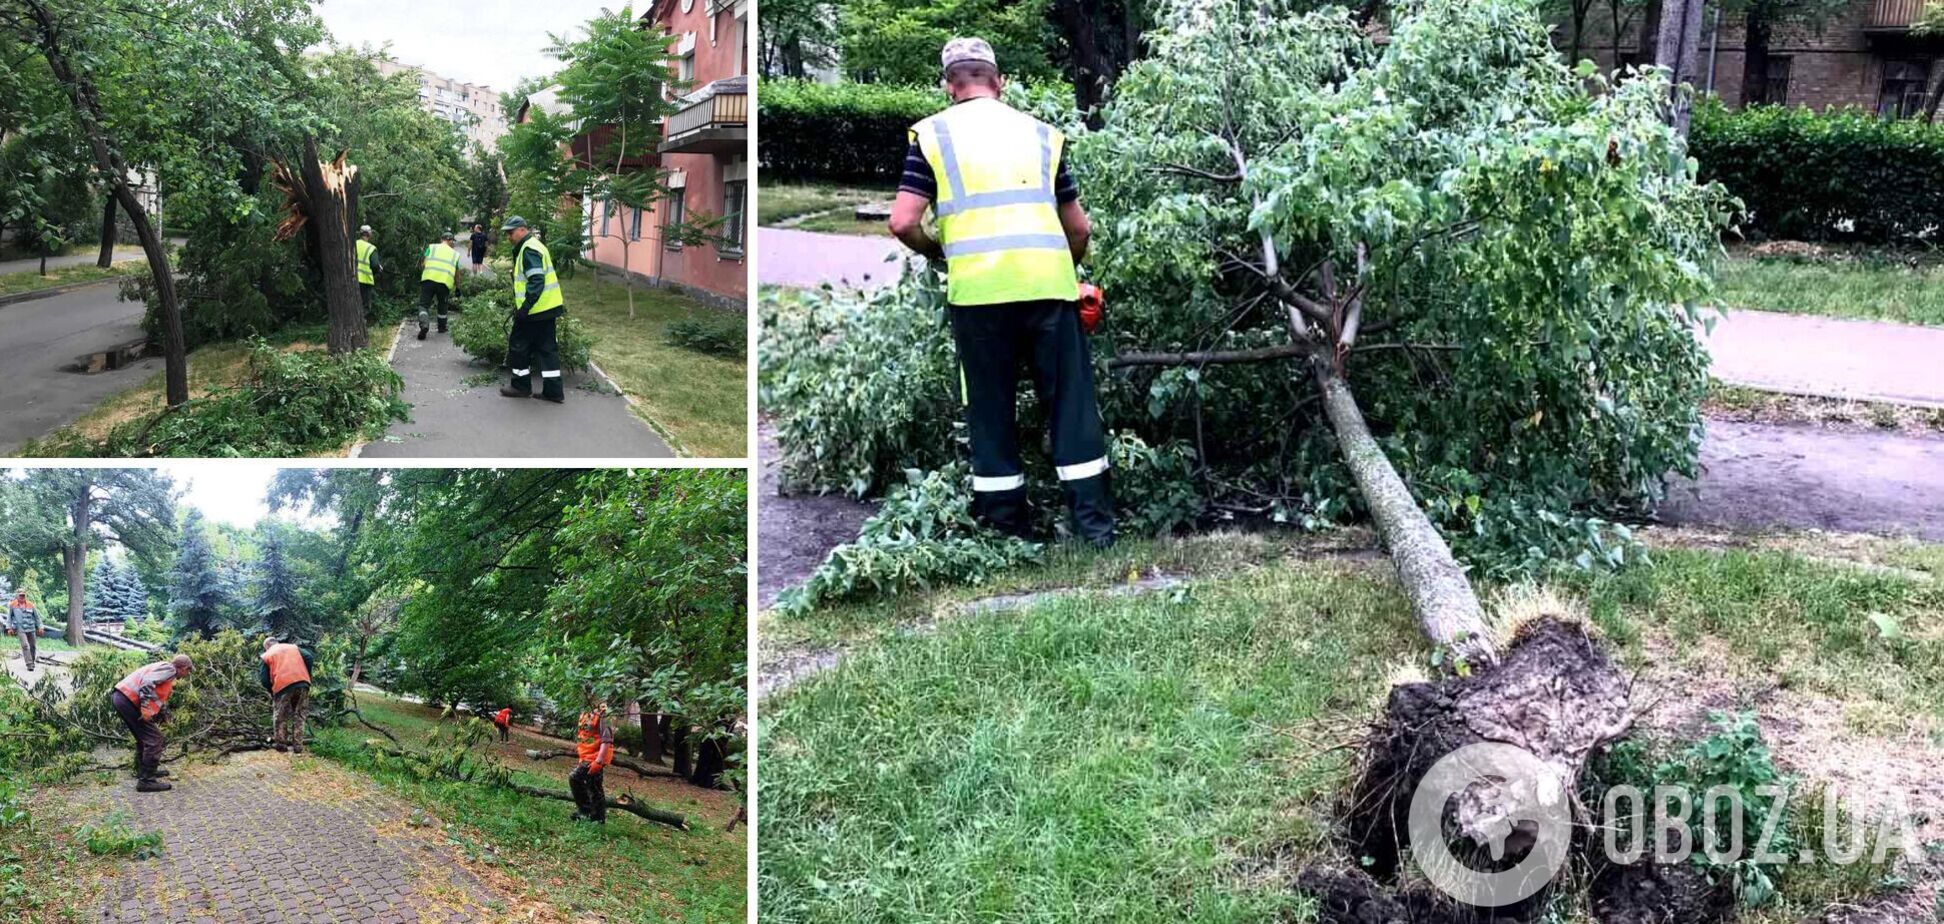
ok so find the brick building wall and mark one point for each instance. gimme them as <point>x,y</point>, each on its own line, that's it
<point>1842,62</point>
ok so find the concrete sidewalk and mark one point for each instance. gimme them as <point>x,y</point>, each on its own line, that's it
<point>806,259</point>
<point>42,338</point>
<point>1830,358</point>
<point>457,412</point>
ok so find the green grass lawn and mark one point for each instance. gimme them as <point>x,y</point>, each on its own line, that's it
<point>780,200</point>
<point>699,401</point>
<point>16,283</point>
<point>1875,289</point>
<point>11,644</point>
<point>627,870</point>
<point>1168,756</point>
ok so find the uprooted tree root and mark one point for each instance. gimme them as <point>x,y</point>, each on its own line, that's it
<point>1557,695</point>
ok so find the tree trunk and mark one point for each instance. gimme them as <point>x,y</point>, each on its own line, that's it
<point>1441,598</point>
<point>684,751</point>
<point>1755,57</point>
<point>331,193</point>
<point>652,747</point>
<point>1648,45</point>
<point>74,556</point>
<point>107,258</point>
<point>1677,44</point>
<point>640,811</point>
<point>711,761</point>
<point>1936,97</point>
<point>109,163</point>
<point>1091,70</point>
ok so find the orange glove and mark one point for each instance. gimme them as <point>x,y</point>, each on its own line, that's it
<point>1093,306</point>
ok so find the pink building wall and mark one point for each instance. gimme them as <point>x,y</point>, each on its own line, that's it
<point>706,268</point>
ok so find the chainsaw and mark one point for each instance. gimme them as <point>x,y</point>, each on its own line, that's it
<point>1093,306</point>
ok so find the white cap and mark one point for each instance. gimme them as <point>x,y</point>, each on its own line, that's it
<point>364,229</point>
<point>966,50</point>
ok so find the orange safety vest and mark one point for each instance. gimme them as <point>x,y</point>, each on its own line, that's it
<point>131,687</point>
<point>504,716</point>
<point>286,666</point>
<point>588,744</point>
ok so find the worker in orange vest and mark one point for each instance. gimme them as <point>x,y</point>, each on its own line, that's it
<point>287,674</point>
<point>594,745</point>
<point>503,719</point>
<point>142,701</point>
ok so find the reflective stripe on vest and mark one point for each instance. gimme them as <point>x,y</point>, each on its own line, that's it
<point>998,217</point>
<point>365,250</point>
<point>441,264</point>
<point>286,666</point>
<point>550,297</point>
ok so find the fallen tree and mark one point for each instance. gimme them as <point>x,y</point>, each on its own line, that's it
<point>640,769</point>
<point>451,756</point>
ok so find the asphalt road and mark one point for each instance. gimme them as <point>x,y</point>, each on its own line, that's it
<point>33,265</point>
<point>40,337</point>
<point>1769,476</point>
<point>1828,357</point>
<point>458,413</point>
<point>807,259</point>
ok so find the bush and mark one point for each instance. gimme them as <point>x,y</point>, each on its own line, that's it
<point>112,838</point>
<point>289,404</point>
<point>482,327</point>
<point>856,132</point>
<point>717,338</point>
<point>471,284</point>
<point>1845,175</point>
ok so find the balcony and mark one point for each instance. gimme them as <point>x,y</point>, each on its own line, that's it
<point>1897,15</point>
<point>714,121</point>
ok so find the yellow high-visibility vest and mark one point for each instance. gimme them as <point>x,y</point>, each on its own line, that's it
<point>441,264</point>
<point>998,221</point>
<point>550,296</point>
<point>365,250</point>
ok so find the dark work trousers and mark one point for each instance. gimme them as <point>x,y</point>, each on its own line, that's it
<point>430,292</point>
<point>588,795</point>
<point>29,646</point>
<point>531,344</point>
<point>993,341</point>
<point>369,293</point>
<point>148,738</point>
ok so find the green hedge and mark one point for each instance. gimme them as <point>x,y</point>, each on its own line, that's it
<point>1834,176</point>
<point>856,132</point>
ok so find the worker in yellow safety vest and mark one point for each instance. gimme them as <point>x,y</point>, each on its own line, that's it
<point>368,267</point>
<point>537,307</point>
<point>435,281</point>
<point>1010,231</point>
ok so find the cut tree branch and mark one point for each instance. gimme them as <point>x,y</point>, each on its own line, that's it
<point>1212,357</point>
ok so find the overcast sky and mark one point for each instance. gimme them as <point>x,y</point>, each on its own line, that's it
<point>494,42</point>
<point>231,492</point>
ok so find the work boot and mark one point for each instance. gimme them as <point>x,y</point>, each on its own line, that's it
<point>159,774</point>
<point>508,391</point>
<point>1091,503</point>
<point>442,324</point>
<point>152,786</point>
<point>422,330</point>
<point>556,399</point>
<point>1005,511</point>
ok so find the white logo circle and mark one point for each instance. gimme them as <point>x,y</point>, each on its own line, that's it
<point>1513,799</point>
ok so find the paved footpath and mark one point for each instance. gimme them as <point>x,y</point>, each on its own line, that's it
<point>457,412</point>
<point>266,837</point>
<point>806,259</point>
<point>1828,357</point>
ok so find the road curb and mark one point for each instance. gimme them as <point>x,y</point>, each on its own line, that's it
<point>640,412</point>
<point>19,297</point>
<point>357,448</point>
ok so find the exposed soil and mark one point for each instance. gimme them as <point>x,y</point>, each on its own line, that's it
<point>1758,476</point>
<point>795,533</point>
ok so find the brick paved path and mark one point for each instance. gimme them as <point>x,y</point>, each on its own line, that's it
<point>267,839</point>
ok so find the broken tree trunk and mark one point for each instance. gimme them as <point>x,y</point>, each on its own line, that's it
<point>639,769</point>
<point>640,811</point>
<point>107,258</point>
<point>323,198</point>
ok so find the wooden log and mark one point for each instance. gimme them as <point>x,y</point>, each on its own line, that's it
<point>640,769</point>
<point>655,815</point>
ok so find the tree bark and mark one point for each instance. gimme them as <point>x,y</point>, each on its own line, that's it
<point>107,258</point>
<point>639,769</point>
<point>332,193</point>
<point>1755,56</point>
<point>653,749</point>
<point>1441,598</point>
<point>1648,45</point>
<point>1091,70</point>
<point>683,748</point>
<point>641,811</point>
<point>74,557</point>
<point>114,170</point>
<point>1676,45</point>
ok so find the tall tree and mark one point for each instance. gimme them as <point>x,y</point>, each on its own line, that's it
<point>797,36</point>
<point>1101,37</point>
<point>279,600</point>
<point>62,513</point>
<point>198,592</point>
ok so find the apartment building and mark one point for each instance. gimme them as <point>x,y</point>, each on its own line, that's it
<point>704,155</point>
<point>473,108</point>
<point>1865,55</point>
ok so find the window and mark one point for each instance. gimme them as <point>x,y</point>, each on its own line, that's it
<point>687,72</point>
<point>732,218</point>
<point>677,213</point>
<point>1904,80</point>
<point>1775,83</point>
<point>607,215</point>
<point>634,233</point>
